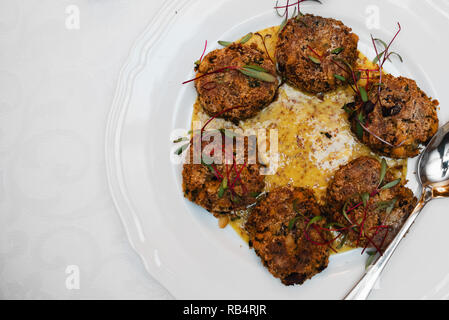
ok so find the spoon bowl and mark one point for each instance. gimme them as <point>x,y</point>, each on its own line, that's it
<point>433,165</point>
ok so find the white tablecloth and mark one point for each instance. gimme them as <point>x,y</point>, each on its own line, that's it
<point>60,236</point>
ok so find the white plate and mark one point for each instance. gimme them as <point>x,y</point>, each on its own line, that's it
<point>179,243</point>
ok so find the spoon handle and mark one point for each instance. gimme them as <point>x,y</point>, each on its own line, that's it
<point>363,288</point>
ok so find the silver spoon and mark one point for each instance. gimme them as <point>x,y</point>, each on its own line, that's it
<point>433,178</point>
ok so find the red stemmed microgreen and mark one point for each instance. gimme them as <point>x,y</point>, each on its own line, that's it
<point>356,227</point>
<point>220,70</point>
<point>347,68</point>
<point>363,105</point>
<point>244,40</point>
<point>317,58</point>
<point>385,55</point>
<point>360,134</point>
<point>288,5</point>
<point>223,178</point>
<point>312,223</point>
<point>252,71</point>
<point>324,243</point>
<point>198,62</point>
<point>264,38</point>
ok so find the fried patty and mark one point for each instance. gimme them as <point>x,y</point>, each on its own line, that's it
<point>231,88</point>
<point>376,225</point>
<point>402,115</point>
<point>327,41</point>
<point>203,183</point>
<point>276,228</point>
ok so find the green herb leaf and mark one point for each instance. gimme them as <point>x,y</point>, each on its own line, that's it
<point>211,169</point>
<point>224,183</point>
<point>224,43</point>
<point>181,149</point>
<point>363,94</point>
<point>343,241</point>
<point>281,27</point>
<point>383,170</point>
<point>255,67</point>
<point>339,77</point>
<point>251,72</point>
<point>391,206</point>
<point>315,60</point>
<point>365,198</point>
<point>297,211</point>
<point>358,125</point>
<point>361,118</point>
<point>345,213</point>
<point>381,205</point>
<point>294,14</point>
<point>396,54</point>
<point>387,205</point>
<point>292,223</point>
<point>378,57</point>
<point>207,161</point>
<point>391,184</point>
<point>181,139</point>
<point>382,42</point>
<point>337,51</point>
<point>255,194</point>
<point>223,187</point>
<point>350,70</point>
<point>372,256</point>
<point>359,130</point>
<point>246,38</point>
<point>314,220</point>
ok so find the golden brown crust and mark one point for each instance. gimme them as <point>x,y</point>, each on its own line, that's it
<point>287,253</point>
<point>201,185</point>
<point>323,35</point>
<point>231,88</point>
<point>405,118</point>
<point>360,176</point>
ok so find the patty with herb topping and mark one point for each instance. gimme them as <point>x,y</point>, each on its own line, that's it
<point>277,232</point>
<point>370,208</point>
<point>229,89</point>
<point>223,188</point>
<point>311,50</point>
<point>397,119</point>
